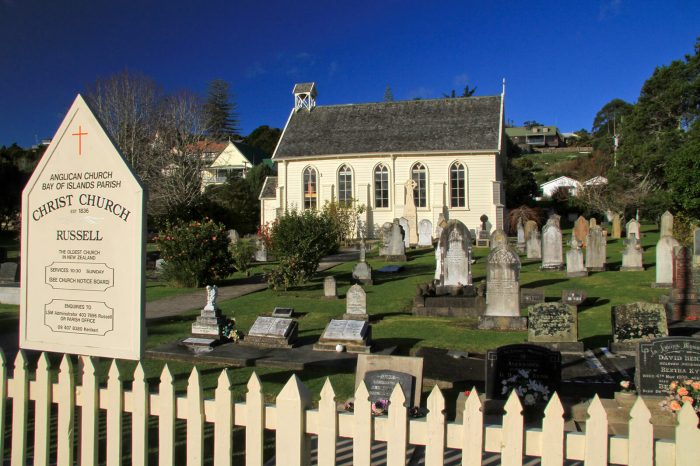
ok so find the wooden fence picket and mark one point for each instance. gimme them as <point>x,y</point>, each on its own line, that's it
<point>435,445</point>
<point>641,435</point>
<point>596,453</point>
<point>166,418</point>
<point>512,432</point>
<point>195,420</point>
<point>42,411</point>
<point>397,436</point>
<point>472,430</point>
<point>115,409</point>
<point>89,412</point>
<point>687,436</point>
<point>140,408</point>
<point>362,427</point>
<point>552,439</point>
<point>223,423</point>
<point>20,403</point>
<point>66,413</point>
<point>255,422</point>
<point>327,425</point>
<point>292,403</point>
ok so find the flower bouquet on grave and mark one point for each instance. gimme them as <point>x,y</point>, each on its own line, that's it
<point>380,407</point>
<point>680,392</point>
<point>229,331</point>
<point>531,392</point>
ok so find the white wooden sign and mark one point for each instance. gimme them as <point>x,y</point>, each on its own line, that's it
<point>82,253</point>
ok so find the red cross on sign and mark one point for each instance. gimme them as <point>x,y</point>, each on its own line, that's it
<point>80,135</point>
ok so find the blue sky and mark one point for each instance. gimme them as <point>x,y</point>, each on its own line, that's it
<point>562,60</point>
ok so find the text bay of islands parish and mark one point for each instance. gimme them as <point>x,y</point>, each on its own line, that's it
<point>88,200</point>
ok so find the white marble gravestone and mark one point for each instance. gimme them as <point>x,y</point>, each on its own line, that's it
<point>664,261</point>
<point>534,245</point>
<point>574,260</point>
<point>406,231</point>
<point>82,253</point>
<point>502,291</point>
<point>521,236</point>
<point>633,229</point>
<point>552,249</point>
<point>632,255</point>
<point>596,250</point>
<point>425,231</point>
<point>329,288</point>
<point>666,224</point>
<point>393,247</point>
<point>355,304</point>
<point>455,255</point>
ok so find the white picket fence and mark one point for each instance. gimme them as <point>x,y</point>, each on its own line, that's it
<point>294,422</point>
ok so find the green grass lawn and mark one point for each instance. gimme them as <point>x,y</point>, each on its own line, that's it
<point>389,303</point>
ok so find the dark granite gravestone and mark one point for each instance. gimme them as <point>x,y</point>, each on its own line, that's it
<point>573,297</point>
<point>381,383</point>
<point>530,296</point>
<point>355,336</point>
<point>555,326</point>
<point>287,312</point>
<point>664,360</point>
<point>635,322</point>
<point>512,366</point>
<point>272,332</point>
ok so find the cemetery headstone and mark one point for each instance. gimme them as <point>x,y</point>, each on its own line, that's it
<point>393,247</point>
<point>381,373</point>
<point>554,325</point>
<point>160,263</point>
<point>592,222</point>
<point>635,322</point>
<point>616,226</point>
<point>455,255</point>
<point>83,246</point>
<point>441,224</point>
<point>287,312</point>
<point>665,360</point>
<point>515,367</point>
<point>552,249</point>
<point>425,231</point>
<point>633,228</point>
<point>407,232</point>
<point>261,252</point>
<point>498,238</point>
<point>521,236</point>
<point>409,213</point>
<point>329,288</point>
<point>534,245</point>
<point>596,252</point>
<point>530,226</point>
<point>664,261</point>
<point>484,235</point>
<point>573,297</point>
<point>632,255</point>
<point>502,291</point>
<point>666,224</point>
<point>438,260</point>
<point>574,259</point>
<point>356,304</point>
<point>581,230</point>
<point>362,273</point>
<point>272,332</point>
<point>233,236</point>
<point>556,219</point>
<point>531,296</point>
<point>8,272</point>
<point>354,335</point>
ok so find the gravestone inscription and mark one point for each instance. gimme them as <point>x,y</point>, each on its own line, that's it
<point>665,360</point>
<point>356,303</point>
<point>354,335</point>
<point>635,322</point>
<point>516,366</point>
<point>573,297</point>
<point>530,296</point>
<point>272,332</point>
<point>380,384</point>
<point>380,373</point>
<point>554,325</point>
<point>425,231</point>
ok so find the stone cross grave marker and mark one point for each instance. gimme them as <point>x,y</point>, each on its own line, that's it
<point>513,366</point>
<point>381,373</point>
<point>83,242</point>
<point>425,231</point>
<point>409,213</point>
<point>665,360</point>
<point>356,303</point>
<point>635,322</point>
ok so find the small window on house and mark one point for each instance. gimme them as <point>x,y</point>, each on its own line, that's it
<point>381,187</point>
<point>310,189</point>
<point>344,185</point>
<point>458,185</point>
<point>419,175</point>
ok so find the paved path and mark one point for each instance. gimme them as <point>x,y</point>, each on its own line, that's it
<point>176,305</point>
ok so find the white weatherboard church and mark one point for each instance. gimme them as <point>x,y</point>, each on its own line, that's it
<point>452,150</point>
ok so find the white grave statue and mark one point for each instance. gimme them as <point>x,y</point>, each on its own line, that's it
<point>82,246</point>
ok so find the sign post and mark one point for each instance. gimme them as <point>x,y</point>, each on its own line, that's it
<point>82,253</point>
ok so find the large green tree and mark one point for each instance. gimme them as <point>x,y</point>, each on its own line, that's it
<point>221,117</point>
<point>264,138</point>
<point>608,122</point>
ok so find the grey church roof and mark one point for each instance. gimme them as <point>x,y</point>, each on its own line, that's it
<point>468,124</point>
<point>269,189</point>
